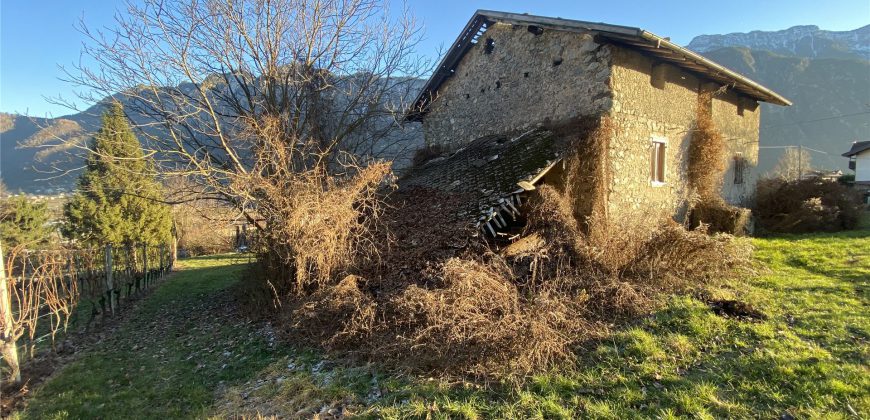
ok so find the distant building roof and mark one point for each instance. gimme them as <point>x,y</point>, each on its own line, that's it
<point>488,172</point>
<point>857,147</point>
<point>636,38</point>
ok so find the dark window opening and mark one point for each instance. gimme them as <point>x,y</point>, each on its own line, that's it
<point>537,30</point>
<point>489,46</point>
<point>526,74</point>
<point>739,168</point>
<point>497,84</point>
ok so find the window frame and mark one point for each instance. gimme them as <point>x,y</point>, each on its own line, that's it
<point>658,161</point>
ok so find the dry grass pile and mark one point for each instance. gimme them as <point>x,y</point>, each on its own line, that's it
<point>808,205</point>
<point>450,305</point>
<point>717,216</point>
<point>625,268</point>
<point>477,321</point>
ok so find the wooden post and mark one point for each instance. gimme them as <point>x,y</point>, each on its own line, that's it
<point>10,350</point>
<point>110,284</point>
<point>173,252</point>
<point>145,264</point>
<point>164,269</point>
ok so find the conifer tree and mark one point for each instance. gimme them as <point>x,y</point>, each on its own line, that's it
<point>24,222</point>
<point>118,199</point>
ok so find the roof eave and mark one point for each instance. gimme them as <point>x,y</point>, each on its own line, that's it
<point>482,16</point>
<point>762,92</point>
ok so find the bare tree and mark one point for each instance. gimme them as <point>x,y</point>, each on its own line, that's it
<point>249,98</point>
<point>793,164</point>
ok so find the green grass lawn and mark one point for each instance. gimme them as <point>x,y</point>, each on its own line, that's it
<point>182,354</point>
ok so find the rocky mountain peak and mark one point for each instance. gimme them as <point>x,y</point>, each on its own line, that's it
<point>802,41</point>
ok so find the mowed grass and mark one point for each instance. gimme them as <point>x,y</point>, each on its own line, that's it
<point>166,360</point>
<point>808,359</point>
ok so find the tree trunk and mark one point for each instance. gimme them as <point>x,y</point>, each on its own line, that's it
<point>10,350</point>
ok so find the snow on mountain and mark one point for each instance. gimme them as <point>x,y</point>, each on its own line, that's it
<point>802,41</point>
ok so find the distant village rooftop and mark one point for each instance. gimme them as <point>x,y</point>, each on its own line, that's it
<point>649,43</point>
<point>857,147</point>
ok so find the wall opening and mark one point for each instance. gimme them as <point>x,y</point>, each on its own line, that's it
<point>536,30</point>
<point>739,168</point>
<point>658,158</point>
<point>489,46</point>
<point>659,76</point>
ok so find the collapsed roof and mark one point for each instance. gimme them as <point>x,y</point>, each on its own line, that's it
<point>487,172</point>
<point>636,38</point>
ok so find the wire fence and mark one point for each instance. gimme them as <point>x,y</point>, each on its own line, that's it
<point>46,293</point>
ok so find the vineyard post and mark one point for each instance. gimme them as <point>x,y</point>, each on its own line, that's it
<point>109,280</point>
<point>10,350</point>
<point>162,262</point>
<point>145,264</point>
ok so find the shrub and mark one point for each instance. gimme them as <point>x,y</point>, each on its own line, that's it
<point>432,303</point>
<point>806,205</point>
<point>721,217</point>
<point>320,224</point>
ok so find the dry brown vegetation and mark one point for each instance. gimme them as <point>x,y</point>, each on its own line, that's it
<point>706,153</point>
<point>706,168</point>
<point>439,300</point>
<point>203,227</point>
<point>807,205</point>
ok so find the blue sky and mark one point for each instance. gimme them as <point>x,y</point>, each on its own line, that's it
<point>35,37</point>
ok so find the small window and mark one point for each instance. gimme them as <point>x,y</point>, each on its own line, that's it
<point>739,168</point>
<point>657,160</point>
<point>489,46</point>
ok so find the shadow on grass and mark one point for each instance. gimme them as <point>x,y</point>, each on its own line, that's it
<point>184,342</point>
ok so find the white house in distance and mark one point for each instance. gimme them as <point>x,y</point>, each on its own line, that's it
<point>859,161</point>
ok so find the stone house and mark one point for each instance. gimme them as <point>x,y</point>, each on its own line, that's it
<point>515,91</point>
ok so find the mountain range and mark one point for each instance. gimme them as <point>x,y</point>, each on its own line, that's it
<point>826,74</point>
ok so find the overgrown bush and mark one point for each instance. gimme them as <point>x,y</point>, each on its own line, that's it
<point>721,217</point>
<point>807,205</point>
<point>203,227</point>
<point>706,168</point>
<point>458,308</point>
<point>706,160</point>
<point>319,224</point>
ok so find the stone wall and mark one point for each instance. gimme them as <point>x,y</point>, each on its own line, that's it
<point>658,99</point>
<point>741,133</point>
<point>513,79</point>
<point>641,111</point>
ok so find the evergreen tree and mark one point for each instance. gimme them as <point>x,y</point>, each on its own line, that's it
<point>24,222</point>
<point>118,198</point>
